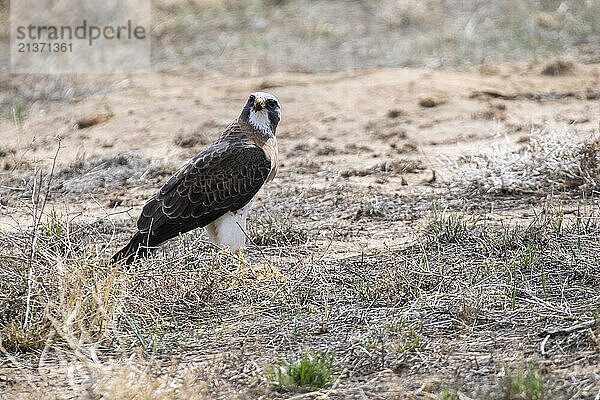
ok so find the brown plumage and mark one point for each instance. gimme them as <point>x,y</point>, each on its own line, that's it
<point>215,186</point>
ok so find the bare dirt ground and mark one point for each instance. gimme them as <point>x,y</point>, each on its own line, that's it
<point>363,132</point>
<point>346,256</point>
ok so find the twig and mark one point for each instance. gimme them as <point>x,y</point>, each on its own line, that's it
<point>563,331</point>
<point>543,346</point>
<point>570,329</point>
<point>112,235</point>
<point>49,182</point>
<point>36,221</point>
<point>252,241</point>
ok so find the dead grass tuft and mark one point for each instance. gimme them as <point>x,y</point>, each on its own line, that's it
<point>87,122</point>
<point>558,67</point>
<point>17,339</point>
<point>430,102</point>
<point>193,139</point>
<point>550,160</point>
<point>99,175</point>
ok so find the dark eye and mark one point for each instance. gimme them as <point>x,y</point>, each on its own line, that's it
<point>251,97</point>
<point>271,103</point>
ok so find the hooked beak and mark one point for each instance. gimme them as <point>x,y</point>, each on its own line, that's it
<point>259,104</point>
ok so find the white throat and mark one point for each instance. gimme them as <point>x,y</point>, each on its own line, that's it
<point>260,121</point>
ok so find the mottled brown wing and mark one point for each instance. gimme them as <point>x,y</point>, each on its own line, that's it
<point>224,177</point>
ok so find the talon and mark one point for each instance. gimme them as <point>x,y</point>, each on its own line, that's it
<point>240,253</point>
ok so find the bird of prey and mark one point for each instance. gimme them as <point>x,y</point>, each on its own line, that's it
<point>215,188</point>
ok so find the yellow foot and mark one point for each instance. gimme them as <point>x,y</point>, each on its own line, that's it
<point>225,253</point>
<point>239,253</point>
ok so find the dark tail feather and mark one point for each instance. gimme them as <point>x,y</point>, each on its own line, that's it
<point>135,248</point>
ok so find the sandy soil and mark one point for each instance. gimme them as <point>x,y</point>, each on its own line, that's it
<point>334,128</point>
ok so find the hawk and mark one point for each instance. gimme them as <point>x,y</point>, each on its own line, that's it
<point>214,189</point>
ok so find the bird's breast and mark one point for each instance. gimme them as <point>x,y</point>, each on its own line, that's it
<point>272,153</point>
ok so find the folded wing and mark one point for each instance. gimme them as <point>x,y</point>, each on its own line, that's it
<point>224,177</point>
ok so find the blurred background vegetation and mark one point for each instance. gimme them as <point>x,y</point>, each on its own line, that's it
<point>256,37</point>
<point>315,36</point>
<point>245,37</point>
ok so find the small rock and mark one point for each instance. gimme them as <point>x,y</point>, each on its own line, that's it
<point>395,113</point>
<point>433,177</point>
<point>429,102</point>
<point>591,94</point>
<point>87,122</point>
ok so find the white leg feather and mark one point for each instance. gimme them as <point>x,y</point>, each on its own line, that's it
<point>228,230</point>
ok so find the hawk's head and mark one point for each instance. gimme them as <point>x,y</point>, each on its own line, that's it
<point>262,112</point>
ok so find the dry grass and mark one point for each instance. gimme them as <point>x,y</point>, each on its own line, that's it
<point>102,175</point>
<point>549,161</point>
<point>401,310</point>
<point>130,381</point>
<point>390,167</point>
<point>275,231</point>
